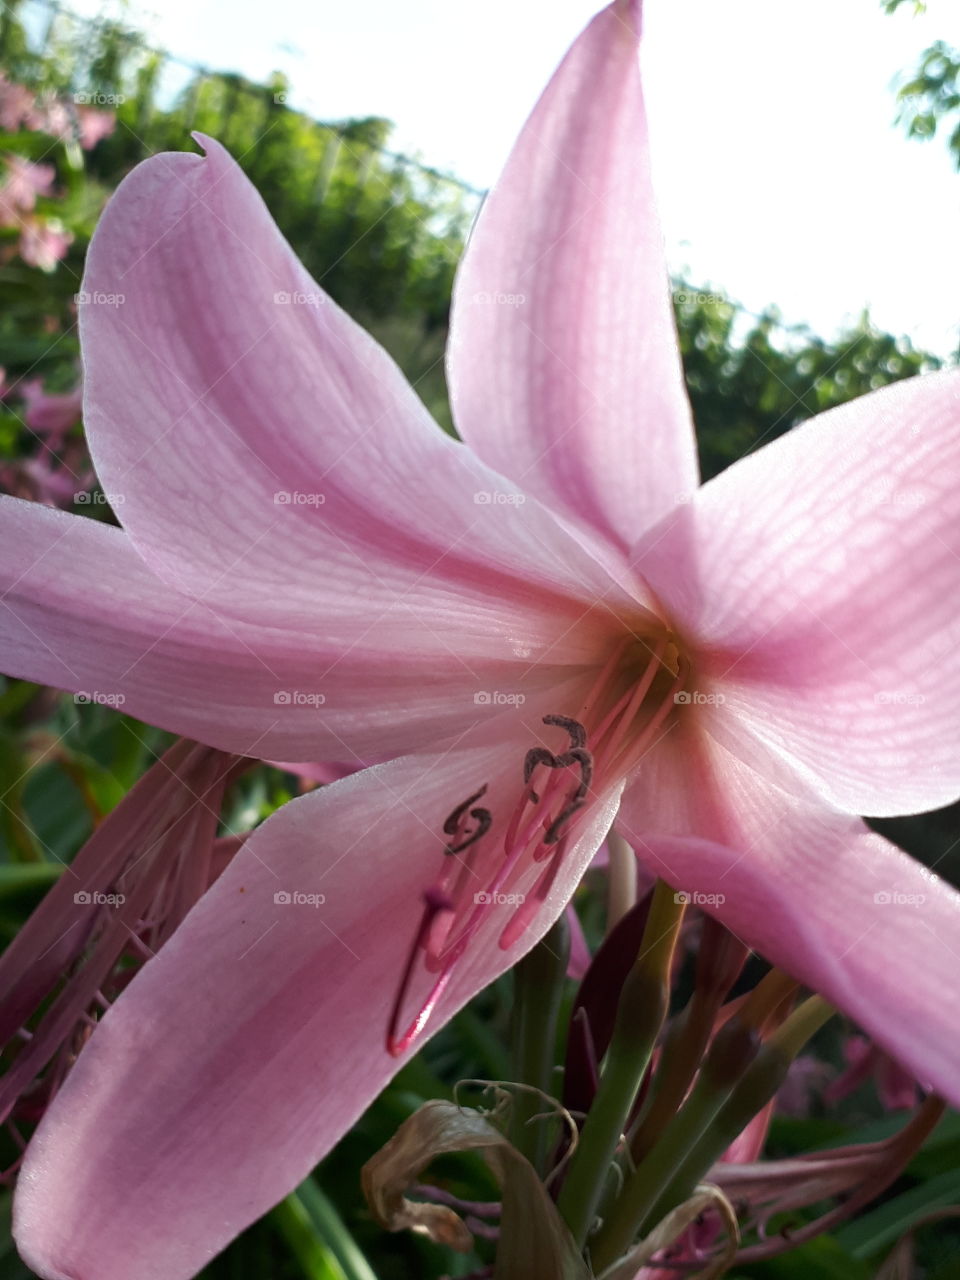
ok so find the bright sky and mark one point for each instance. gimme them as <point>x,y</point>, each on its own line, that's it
<point>781,177</point>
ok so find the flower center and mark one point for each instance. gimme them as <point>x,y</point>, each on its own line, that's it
<point>625,711</point>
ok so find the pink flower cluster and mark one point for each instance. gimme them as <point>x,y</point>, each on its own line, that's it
<point>43,240</point>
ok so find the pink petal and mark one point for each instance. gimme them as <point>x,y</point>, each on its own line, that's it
<point>256,1037</point>
<point>816,893</point>
<point>819,580</point>
<point>579,961</point>
<point>564,367</point>
<point>271,457</point>
<point>79,610</point>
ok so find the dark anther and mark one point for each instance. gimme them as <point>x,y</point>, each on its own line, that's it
<point>576,755</point>
<point>535,756</point>
<point>585,760</point>
<point>578,734</point>
<point>482,817</point>
<point>553,831</point>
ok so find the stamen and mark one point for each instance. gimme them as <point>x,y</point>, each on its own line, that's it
<point>544,822</point>
<point>397,1043</point>
<point>482,817</point>
<point>525,913</point>
<point>578,734</point>
<point>622,714</point>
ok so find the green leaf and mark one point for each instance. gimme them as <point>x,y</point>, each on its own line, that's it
<point>875,1231</point>
<point>318,1236</point>
<point>825,1258</point>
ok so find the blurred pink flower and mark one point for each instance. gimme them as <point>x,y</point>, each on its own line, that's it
<point>805,1081</point>
<point>51,116</point>
<point>896,1088</point>
<point>16,104</point>
<point>57,480</point>
<point>21,185</point>
<point>44,242</point>
<point>94,125</point>
<point>50,414</point>
<point>542,624</point>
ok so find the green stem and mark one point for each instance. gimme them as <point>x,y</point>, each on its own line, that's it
<point>538,980</point>
<point>640,1013</point>
<point>721,958</point>
<point>723,1102</point>
<point>318,1237</point>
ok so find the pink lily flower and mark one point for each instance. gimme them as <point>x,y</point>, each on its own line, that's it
<point>308,567</point>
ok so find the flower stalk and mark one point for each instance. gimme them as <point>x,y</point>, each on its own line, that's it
<point>640,1015</point>
<point>737,1080</point>
<point>538,979</point>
